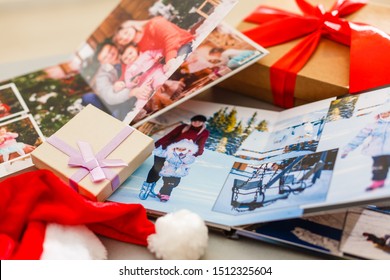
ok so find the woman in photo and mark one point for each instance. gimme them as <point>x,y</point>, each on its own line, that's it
<point>155,34</point>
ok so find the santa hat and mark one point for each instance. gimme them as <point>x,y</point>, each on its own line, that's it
<point>36,205</point>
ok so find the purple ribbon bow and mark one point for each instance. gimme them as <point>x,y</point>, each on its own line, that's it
<point>94,164</point>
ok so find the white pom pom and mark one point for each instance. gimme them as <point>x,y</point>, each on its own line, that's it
<point>182,235</point>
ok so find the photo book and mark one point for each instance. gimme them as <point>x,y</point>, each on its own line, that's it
<point>143,59</point>
<point>251,170</point>
<point>280,176</point>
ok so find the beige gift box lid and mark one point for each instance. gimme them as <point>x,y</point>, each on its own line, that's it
<point>97,128</point>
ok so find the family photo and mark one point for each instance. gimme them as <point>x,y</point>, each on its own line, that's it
<point>195,143</point>
<point>139,46</point>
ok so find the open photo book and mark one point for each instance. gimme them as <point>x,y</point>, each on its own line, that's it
<point>247,166</point>
<point>143,59</point>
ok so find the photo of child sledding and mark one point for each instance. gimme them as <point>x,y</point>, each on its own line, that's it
<point>173,155</point>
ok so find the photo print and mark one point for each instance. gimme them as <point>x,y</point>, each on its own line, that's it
<point>362,163</point>
<point>293,134</point>
<point>52,95</point>
<point>223,53</point>
<point>281,184</point>
<point>140,45</point>
<point>319,233</point>
<point>367,234</point>
<point>18,138</point>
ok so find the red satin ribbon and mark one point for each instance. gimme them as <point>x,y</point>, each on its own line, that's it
<point>370,47</point>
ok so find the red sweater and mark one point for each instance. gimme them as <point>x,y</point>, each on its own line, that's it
<point>159,33</point>
<point>195,134</point>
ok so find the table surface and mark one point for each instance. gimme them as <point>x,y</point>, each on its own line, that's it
<point>39,33</point>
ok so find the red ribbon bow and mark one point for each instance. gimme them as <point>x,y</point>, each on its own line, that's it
<point>370,47</point>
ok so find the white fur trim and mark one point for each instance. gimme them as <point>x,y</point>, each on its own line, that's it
<point>189,145</point>
<point>182,235</point>
<point>72,243</point>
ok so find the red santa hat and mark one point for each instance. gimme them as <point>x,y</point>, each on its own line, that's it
<point>32,202</point>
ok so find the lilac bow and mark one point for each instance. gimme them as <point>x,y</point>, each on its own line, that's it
<point>94,164</point>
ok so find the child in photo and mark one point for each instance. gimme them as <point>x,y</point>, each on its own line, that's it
<point>155,34</point>
<point>9,145</point>
<point>172,155</point>
<point>178,158</point>
<point>378,146</point>
<point>141,70</point>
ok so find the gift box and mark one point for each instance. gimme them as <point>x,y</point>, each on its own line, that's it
<point>94,152</point>
<point>326,74</point>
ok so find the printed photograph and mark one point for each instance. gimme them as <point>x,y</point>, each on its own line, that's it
<point>11,102</point>
<point>363,161</point>
<point>342,108</point>
<point>53,95</point>
<point>223,53</point>
<point>195,146</point>
<point>320,233</point>
<point>18,138</point>
<point>288,183</point>
<point>367,235</point>
<point>140,45</point>
<point>295,134</point>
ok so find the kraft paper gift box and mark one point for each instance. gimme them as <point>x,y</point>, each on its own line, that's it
<point>325,75</point>
<point>112,151</point>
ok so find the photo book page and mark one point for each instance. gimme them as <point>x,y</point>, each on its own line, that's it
<point>244,166</point>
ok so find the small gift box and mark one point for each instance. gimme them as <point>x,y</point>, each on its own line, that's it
<point>94,152</point>
<point>340,52</point>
